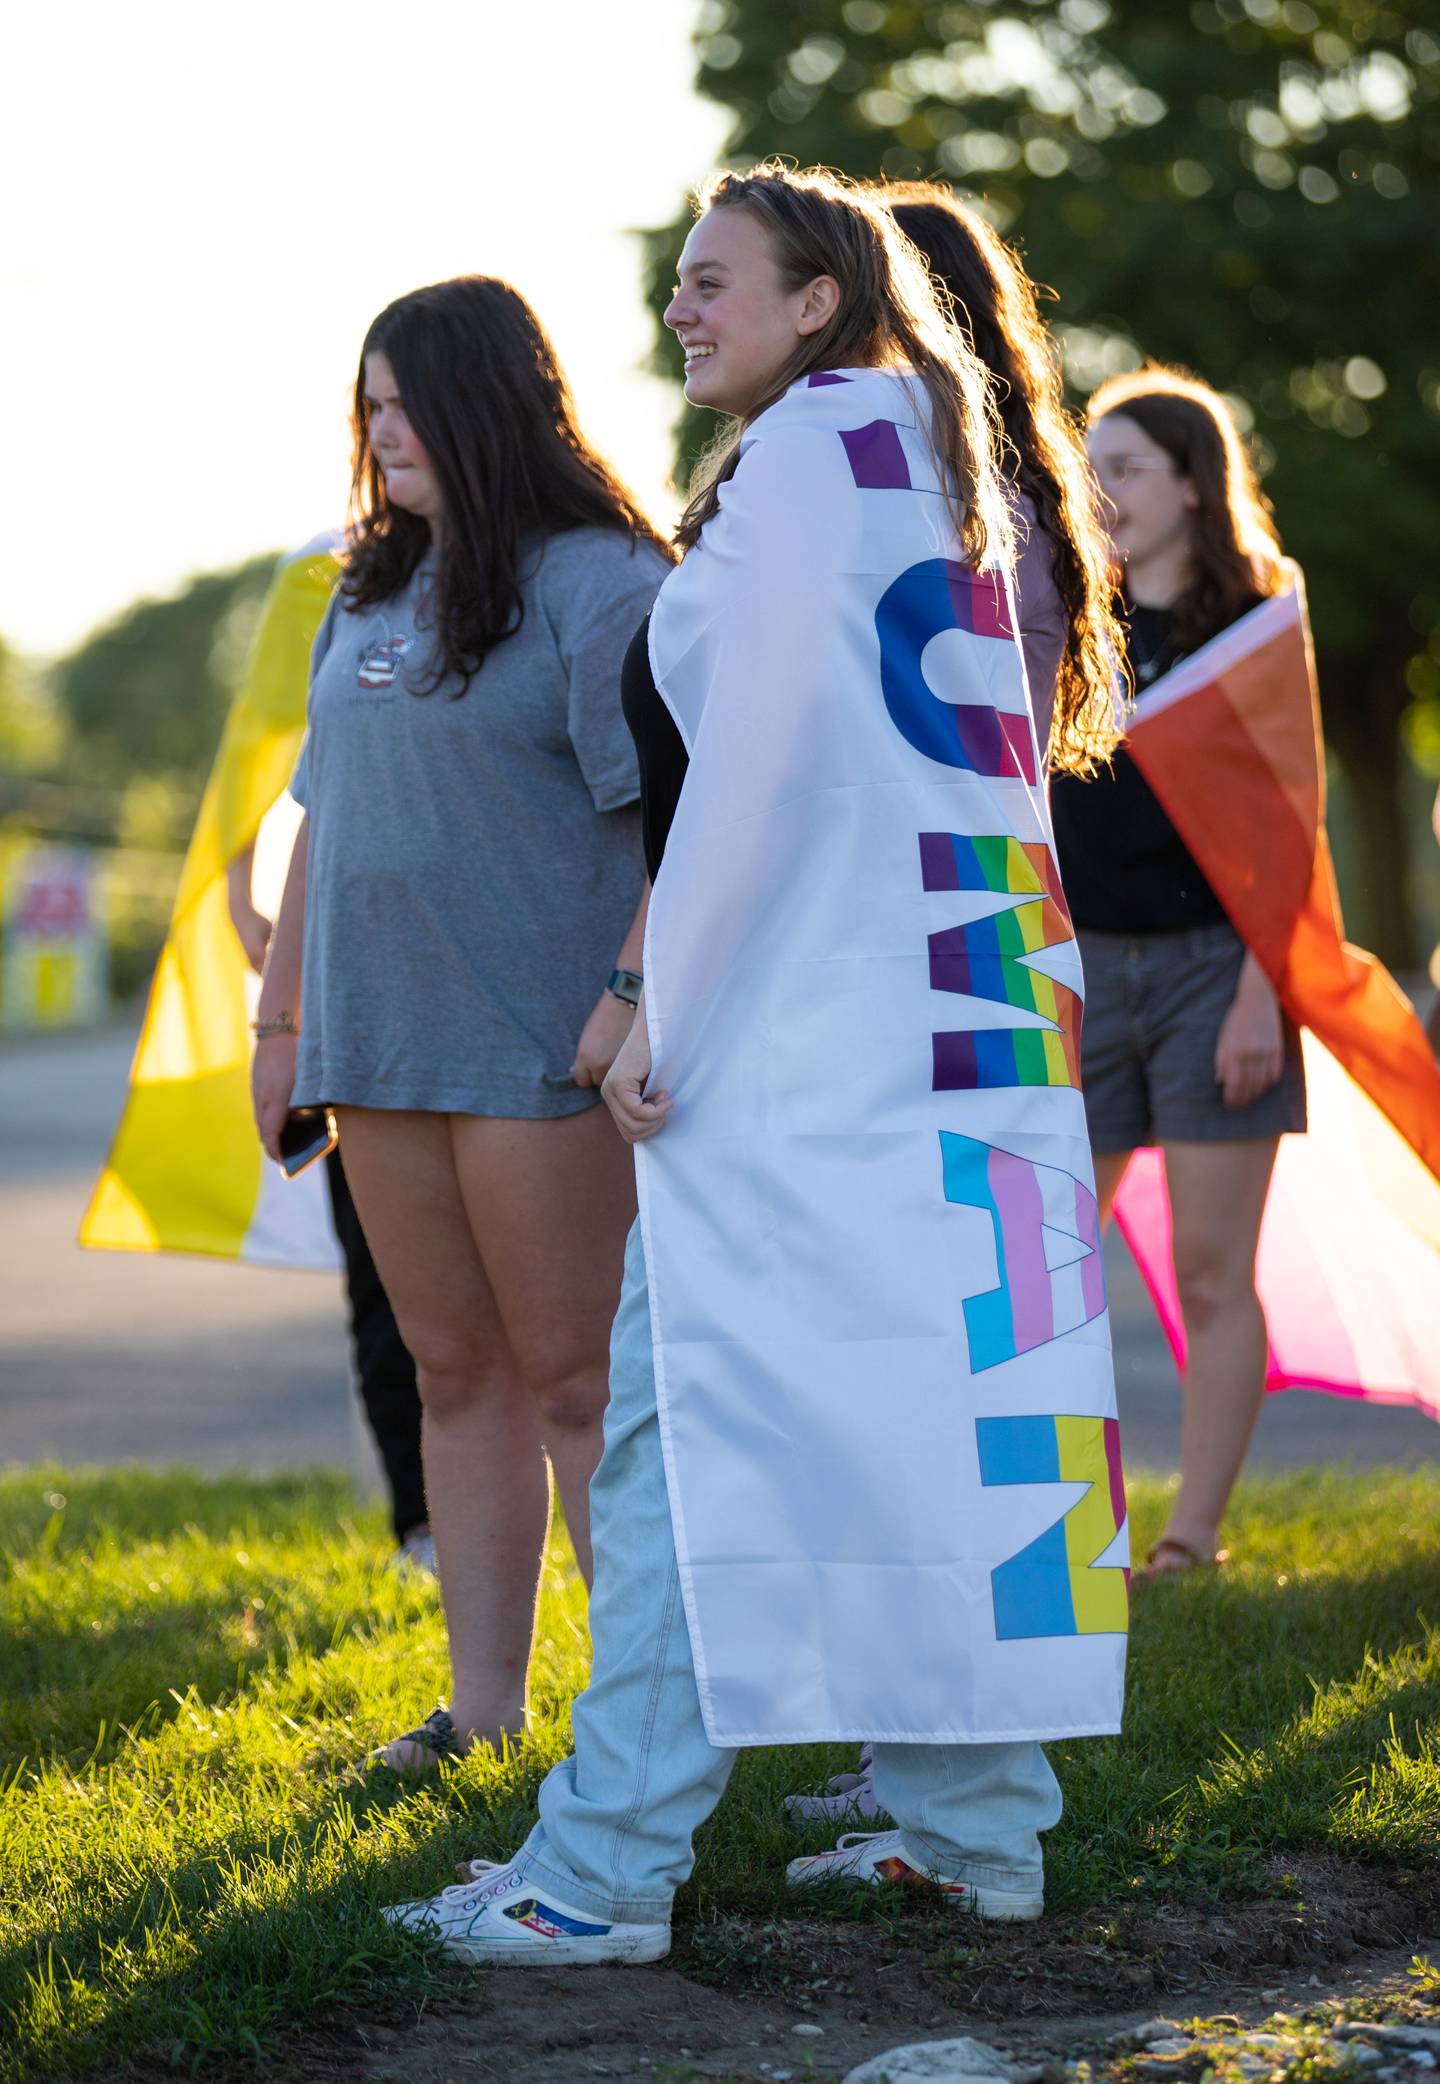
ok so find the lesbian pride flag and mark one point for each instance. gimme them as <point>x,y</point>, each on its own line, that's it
<point>1349,1260</point>
<point>186,1172</point>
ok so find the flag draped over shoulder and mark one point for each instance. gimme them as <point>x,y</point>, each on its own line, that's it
<point>882,1347</point>
<point>1349,1261</point>
<point>186,1172</point>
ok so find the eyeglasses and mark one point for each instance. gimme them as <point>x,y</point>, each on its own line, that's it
<point>1120,469</point>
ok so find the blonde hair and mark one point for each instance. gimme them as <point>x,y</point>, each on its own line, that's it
<point>890,315</point>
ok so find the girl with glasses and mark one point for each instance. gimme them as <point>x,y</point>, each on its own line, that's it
<point>1185,1045</point>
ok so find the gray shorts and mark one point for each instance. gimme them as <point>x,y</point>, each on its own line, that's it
<point>1154,1004</point>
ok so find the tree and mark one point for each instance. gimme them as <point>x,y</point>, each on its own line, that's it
<point>30,727</point>
<point>148,694</point>
<point>1248,187</point>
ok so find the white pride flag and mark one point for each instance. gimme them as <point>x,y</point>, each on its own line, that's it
<point>882,1347</point>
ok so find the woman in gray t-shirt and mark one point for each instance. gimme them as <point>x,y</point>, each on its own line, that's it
<point>467,878</point>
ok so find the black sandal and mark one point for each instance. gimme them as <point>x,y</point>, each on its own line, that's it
<point>437,1738</point>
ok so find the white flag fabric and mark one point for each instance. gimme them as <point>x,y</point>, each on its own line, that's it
<point>882,1347</point>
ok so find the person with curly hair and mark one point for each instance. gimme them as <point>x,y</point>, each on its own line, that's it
<point>1065,594</point>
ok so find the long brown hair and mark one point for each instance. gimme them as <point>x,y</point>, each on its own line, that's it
<point>485,394</point>
<point>1234,546</point>
<point>995,298</point>
<point>820,223</point>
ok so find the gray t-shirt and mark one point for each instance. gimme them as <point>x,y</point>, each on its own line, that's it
<point>474,863</point>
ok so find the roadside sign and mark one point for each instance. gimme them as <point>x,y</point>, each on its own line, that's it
<point>55,963</point>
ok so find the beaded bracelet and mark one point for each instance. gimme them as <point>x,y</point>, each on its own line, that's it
<point>277,1024</point>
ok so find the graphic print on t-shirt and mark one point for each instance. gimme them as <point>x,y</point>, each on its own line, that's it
<point>382,662</point>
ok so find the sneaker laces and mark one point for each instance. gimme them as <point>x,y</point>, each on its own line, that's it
<point>849,1838</point>
<point>481,1874</point>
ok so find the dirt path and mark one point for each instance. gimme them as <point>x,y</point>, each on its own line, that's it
<point>755,2004</point>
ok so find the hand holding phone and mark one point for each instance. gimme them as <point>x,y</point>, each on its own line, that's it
<point>309,1133</point>
<point>272,1086</point>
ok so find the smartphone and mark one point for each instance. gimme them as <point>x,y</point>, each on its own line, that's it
<point>309,1133</point>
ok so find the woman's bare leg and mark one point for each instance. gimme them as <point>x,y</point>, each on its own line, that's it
<point>485,1480</point>
<point>1109,1171</point>
<point>550,1204</point>
<point>1217,1198</point>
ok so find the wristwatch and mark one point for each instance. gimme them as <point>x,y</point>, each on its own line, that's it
<point>626,985</point>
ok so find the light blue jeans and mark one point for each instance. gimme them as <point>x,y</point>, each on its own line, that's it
<point>617,1818</point>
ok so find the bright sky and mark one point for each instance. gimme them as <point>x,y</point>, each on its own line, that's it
<point>206,207</point>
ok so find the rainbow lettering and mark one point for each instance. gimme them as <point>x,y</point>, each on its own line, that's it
<point>984,960</point>
<point>986,861</point>
<point>1047,1249</point>
<point>1052,1587</point>
<point>1044,1222</point>
<point>937,595</point>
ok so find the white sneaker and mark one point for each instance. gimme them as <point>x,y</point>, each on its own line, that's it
<point>848,1797</point>
<point>498,1918</point>
<point>417,1552</point>
<point>872,1857</point>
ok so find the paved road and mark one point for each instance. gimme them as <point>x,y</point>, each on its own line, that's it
<point>110,1356</point>
<point>121,1357</point>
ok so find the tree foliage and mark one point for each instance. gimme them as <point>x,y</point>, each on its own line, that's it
<point>1247,187</point>
<point>31,731</point>
<point>147,695</point>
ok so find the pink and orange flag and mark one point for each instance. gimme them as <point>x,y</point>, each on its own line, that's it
<point>1349,1260</point>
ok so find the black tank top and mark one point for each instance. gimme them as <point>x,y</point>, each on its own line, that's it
<point>659,748</point>
<point>1124,866</point>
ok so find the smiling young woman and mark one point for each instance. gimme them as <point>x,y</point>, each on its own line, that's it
<point>744,348</point>
<point>820,1398</point>
<point>466,879</point>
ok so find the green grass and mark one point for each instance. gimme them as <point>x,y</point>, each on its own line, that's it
<point>192,1854</point>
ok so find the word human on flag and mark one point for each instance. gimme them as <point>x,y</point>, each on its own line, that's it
<point>882,1347</point>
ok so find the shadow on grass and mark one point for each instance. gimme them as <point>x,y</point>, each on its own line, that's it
<point>181,1968</point>
<point>182,1973</point>
<point>1254,1719</point>
<point>67,1694</point>
<point>1267,1719</point>
<point>261,1929</point>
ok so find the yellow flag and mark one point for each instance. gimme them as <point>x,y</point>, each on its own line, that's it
<point>186,1172</point>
